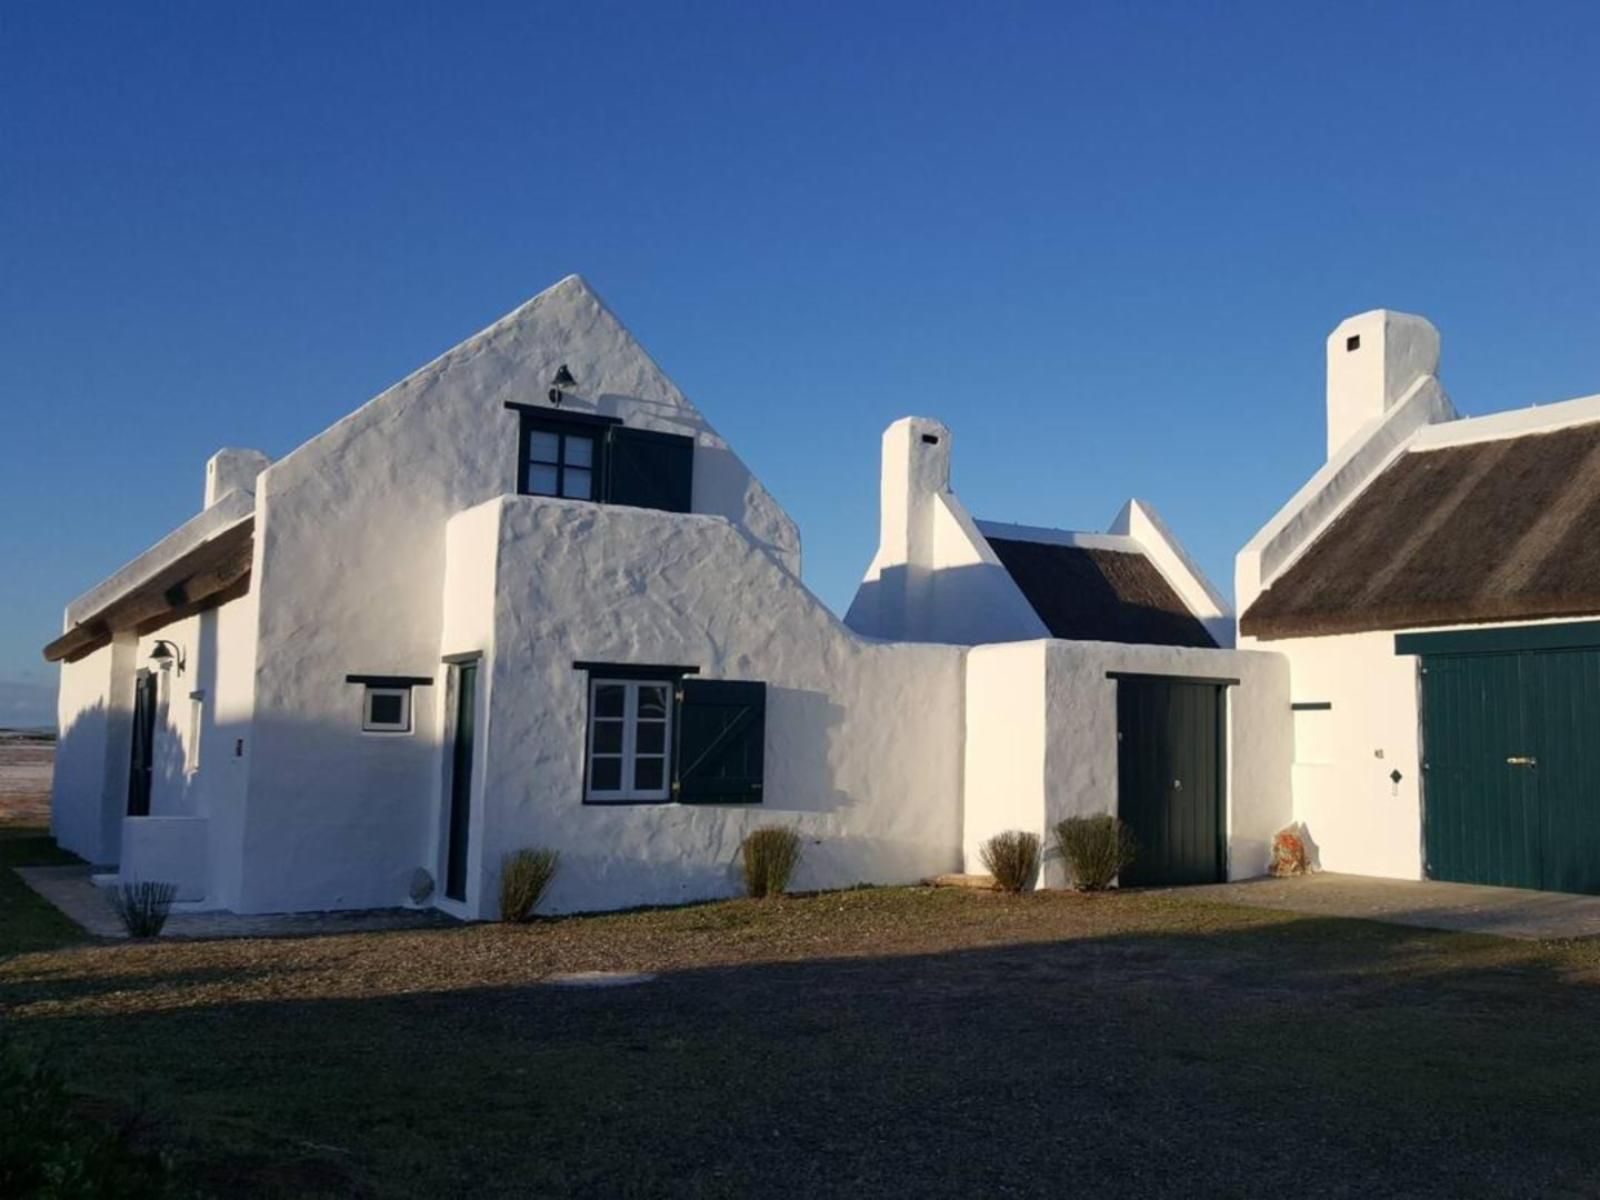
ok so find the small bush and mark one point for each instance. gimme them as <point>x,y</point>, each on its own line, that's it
<point>525,876</point>
<point>771,855</point>
<point>1095,849</point>
<point>143,907</point>
<point>1012,858</point>
<point>49,1148</point>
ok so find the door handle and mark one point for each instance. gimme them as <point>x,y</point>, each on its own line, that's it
<point>1522,760</point>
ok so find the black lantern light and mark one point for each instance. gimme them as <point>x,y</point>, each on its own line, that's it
<point>562,383</point>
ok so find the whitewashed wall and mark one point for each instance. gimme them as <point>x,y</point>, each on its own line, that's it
<point>1057,693</point>
<point>864,740</point>
<point>350,569</point>
<point>89,791</point>
<point>1007,730</point>
<point>1359,820</point>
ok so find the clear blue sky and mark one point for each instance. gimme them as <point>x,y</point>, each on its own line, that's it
<point>1103,242</point>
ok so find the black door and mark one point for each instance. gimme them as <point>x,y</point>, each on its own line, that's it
<point>455,878</point>
<point>144,736</point>
<point>1170,762</point>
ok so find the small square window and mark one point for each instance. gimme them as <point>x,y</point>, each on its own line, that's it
<point>387,710</point>
<point>1353,342</point>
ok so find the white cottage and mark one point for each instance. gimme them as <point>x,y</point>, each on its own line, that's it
<point>528,596</point>
<point>1434,588</point>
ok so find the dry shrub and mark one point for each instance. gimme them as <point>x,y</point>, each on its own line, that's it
<point>525,876</point>
<point>143,907</point>
<point>1095,849</point>
<point>771,855</point>
<point>1012,858</point>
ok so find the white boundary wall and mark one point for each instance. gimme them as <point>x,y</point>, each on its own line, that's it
<point>1042,741</point>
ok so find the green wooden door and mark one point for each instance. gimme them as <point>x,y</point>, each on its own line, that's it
<point>1511,768</point>
<point>1169,779</point>
<point>1480,807</point>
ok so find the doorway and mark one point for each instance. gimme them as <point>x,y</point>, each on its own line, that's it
<point>142,759</point>
<point>1170,771</point>
<point>458,825</point>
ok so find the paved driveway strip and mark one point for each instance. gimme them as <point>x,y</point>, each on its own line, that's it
<point>1463,907</point>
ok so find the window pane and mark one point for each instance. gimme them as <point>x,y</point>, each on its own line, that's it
<point>648,774</point>
<point>608,737</point>
<point>544,447</point>
<point>385,708</point>
<point>605,775</point>
<point>653,702</point>
<point>577,485</point>
<point>541,480</point>
<point>652,737</point>
<point>608,700</point>
<point>580,452</point>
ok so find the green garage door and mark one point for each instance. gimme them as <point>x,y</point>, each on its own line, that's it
<point>1511,768</point>
<point>1170,770</point>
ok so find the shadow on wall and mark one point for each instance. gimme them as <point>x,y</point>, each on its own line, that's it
<point>81,795</point>
<point>963,606</point>
<point>309,847</point>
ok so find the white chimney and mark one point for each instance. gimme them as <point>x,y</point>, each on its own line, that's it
<point>916,467</point>
<point>1373,360</point>
<point>233,470</point>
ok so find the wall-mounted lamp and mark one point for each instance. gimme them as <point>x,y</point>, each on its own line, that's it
<point>166,652</point>
<point>560,384</point>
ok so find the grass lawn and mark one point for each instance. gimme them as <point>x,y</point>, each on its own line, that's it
<point>27,921</point>
<point>892,1041</point>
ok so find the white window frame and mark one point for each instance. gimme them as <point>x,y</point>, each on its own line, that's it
<point>368,725</point>
<point>628,793</point>
<point>197,723</point>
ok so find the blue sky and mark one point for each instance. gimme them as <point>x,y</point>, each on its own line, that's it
<point>1103,242</point>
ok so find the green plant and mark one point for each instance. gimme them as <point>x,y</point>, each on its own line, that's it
<point>771,855</point>
<point>48,1148</point>
<point>143,907</point>
<point>525,876</point>
<point>1012,858</point>
<point>1095,849</point>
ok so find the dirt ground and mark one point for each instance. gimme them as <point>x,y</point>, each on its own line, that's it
<point>25,767</point>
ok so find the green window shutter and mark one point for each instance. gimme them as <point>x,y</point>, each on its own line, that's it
<point>721,745</point>
<point>649,469</point>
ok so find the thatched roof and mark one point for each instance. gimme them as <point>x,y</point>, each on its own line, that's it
<point>1092,594</point>
<point>1488,531</point>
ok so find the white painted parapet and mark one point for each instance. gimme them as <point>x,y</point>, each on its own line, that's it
<point>1140,521</point>
<point>230,470</point>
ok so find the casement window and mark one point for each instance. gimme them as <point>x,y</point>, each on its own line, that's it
<point>561,463</point>
<point>387,710</point>
<point>580,456</point>
<point>654,736</point>
<point>386,701</point>
<point>630,733</point>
